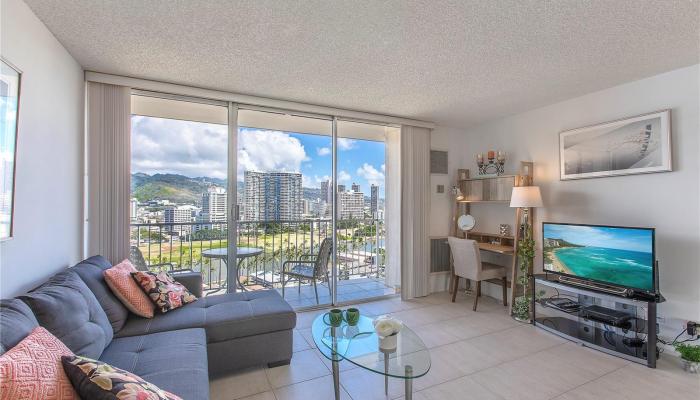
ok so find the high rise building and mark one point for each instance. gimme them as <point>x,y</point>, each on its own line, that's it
<point>374,200</point>
<point>326,191</point>
<point>351,205</point>
<point>214,204</point>
<point>177,215</point>
<point>133,209</point>
<point>272,196</point>
<point>341,188</point>
<point>355,187</point>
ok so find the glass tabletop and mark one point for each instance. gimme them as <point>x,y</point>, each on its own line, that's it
<point>359,344</point>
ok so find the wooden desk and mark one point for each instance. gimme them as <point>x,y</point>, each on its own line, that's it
<point>496,248</point>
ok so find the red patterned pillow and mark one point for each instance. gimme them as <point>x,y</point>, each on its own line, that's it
<point>123,286</point>
<point>162,289</point>
<point>32,369</point>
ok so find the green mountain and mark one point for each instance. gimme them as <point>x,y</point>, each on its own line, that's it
<point>173,187</point>
<point>183,189</point>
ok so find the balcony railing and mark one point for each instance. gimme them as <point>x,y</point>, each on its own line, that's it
<point>360,251</point>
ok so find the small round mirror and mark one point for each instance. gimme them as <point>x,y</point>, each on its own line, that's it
<point>466,222</point>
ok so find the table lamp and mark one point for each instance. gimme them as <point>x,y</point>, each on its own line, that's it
<point>526,197</point>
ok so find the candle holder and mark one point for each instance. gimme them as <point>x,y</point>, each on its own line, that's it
<point>494,164</point>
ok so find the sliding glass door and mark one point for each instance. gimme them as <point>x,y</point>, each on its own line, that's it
<point>285,209</point>
<point>179,186</point>
<point>258,198</point>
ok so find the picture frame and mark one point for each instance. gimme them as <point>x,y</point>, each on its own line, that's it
<point>10,89</point>
<point>633,145</point>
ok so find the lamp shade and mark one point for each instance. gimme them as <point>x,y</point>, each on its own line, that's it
<point>526,196</point>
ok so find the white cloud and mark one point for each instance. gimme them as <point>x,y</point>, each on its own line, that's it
<point>371,174</point>
<point>261,150</point>
<point>323,151</point>
<point>346,144</point>
<point>188,148</point>
<point>343,177</point>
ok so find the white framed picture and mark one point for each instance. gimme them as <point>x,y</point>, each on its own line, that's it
<point>9,112</point>
<point>635,145</point>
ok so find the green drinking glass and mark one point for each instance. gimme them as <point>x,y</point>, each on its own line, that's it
<point>335,317</point>
<point>352,316</point>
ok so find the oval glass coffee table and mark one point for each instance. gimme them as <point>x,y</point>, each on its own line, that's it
<point>359,344</point>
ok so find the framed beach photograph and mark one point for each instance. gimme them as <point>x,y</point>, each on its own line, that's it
<point>635,145</point>
<point>9,112</point>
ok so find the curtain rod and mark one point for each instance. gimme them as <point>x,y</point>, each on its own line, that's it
<point>172,88</point>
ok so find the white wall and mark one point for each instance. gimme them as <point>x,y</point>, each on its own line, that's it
<point>48,197</point>
<point>667,201</point>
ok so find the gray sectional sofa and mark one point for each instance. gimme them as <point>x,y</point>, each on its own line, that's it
<point>178,351</point>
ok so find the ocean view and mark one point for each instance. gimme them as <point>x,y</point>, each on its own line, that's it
<point>622,267</point>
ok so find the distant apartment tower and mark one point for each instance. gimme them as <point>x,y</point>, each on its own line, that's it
<point>356,187</point>
<point>272,196</point>
<point>214,204</point>
<point>374,200</point>
<point>341,188</point>
<point>133,209</point>
<point>351,205</point>
<point>177,215</point>
<point>326,191</point>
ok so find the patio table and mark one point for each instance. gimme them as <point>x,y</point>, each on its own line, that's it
<point>241,254</point>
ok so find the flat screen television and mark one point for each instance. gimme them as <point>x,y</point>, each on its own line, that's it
<point>612,255</point>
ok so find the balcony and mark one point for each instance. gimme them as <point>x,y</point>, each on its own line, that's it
<point>360,256</point>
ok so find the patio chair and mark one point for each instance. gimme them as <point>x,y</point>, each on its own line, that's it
<point>309,267</point>
<point>136,258</point>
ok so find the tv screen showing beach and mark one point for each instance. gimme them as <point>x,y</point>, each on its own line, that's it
<point>619,256</point>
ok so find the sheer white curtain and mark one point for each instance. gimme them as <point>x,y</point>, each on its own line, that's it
<point>108,169</point>
<point>415,209</point>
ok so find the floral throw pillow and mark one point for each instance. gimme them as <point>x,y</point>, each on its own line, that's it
<point>163,290</point>
<point>99,381</point>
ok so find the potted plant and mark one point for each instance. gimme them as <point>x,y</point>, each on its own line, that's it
<point>690,354</point>
<point>526,254</point>
<point>387,328</point>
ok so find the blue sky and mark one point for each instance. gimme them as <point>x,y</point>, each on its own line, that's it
<point>197,149</point>
<point>611,238</point>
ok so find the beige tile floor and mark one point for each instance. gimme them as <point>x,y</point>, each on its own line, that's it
<point>481,355</point>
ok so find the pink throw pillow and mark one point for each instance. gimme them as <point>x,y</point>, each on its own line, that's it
<point>126,289</point>
<point>32,369</point>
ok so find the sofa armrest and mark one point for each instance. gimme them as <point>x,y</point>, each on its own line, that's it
<point>191,280</point>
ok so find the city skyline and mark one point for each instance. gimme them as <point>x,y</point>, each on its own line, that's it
<point>172,146</point>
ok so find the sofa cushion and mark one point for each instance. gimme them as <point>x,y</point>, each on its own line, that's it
<point>91,272</point>
<point>97,380</point>
<point>175,361</point>
<point>67,308</point>
<point>125,288</point>
<point>225,317</point>
<point>166,293</point>
<point>33,370</point>
<point>16,322</point>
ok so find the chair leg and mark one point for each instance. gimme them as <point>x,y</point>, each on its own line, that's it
<point>315,290</point>
<point>505,291</point>
<point>282,284</point>
<point>478,292</point>
<point>299,286</point>
<point>451,284</point>
<point>455,284</point>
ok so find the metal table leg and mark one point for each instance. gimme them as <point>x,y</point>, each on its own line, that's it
<point>334,362</point>
<point>408,395</point>
<point>386,374</point>
<point>336,378</point>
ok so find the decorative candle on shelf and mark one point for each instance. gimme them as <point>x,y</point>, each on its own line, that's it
<point>491,154</point>
<point>501,156</point>
<point>480,158</point>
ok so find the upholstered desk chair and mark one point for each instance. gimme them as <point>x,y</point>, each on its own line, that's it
<point>467,264</point>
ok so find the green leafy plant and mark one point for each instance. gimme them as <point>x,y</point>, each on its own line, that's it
<point>526,253</point>
<point>689,352</point>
